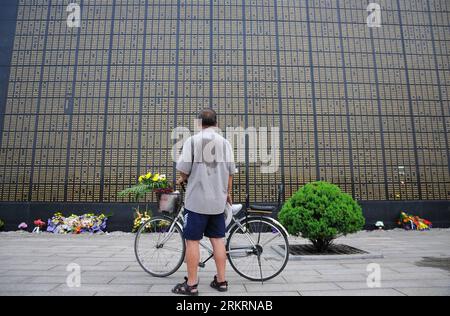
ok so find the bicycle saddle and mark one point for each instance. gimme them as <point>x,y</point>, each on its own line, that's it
<point>262,208</point>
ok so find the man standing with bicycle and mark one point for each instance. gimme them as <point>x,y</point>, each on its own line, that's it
<point>207,165</point>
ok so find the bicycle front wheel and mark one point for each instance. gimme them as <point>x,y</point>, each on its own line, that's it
<point>159,246</point>
<point>258,249</point>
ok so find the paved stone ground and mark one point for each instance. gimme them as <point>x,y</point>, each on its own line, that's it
<point>36,265</point>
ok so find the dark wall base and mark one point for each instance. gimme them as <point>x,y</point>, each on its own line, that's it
<point>438,212</point>
<point>123,213</point>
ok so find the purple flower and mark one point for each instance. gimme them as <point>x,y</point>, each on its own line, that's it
<point>51,227</point>
<point>23,226</point>
<point>103,225</point>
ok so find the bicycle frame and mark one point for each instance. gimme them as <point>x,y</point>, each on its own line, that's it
<point>179,220</point>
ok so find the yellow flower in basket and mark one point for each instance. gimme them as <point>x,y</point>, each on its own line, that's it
<point>148,175</point>
<point>141,179</point>
<point>156,177</point>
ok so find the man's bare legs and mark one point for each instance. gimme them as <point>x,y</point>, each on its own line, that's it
<point>192,260</point>
<point>220,257</point>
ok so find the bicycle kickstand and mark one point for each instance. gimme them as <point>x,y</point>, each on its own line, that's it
<point>203,264</point>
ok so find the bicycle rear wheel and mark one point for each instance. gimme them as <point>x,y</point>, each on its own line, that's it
<point>251,249</point>
<point>159,250</point>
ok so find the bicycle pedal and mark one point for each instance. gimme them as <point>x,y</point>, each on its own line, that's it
<point>202,265</point>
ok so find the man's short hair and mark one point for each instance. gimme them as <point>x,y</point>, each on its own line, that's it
<point>208,117</point>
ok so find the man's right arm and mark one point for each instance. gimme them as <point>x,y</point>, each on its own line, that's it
<point>183,178</point>
<point>232,170</point>
<point>230,190</point>
<point>184,163</point>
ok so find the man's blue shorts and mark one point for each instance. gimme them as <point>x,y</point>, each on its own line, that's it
<point>198,225</point>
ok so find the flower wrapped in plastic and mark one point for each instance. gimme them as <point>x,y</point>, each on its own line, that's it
<point>23,226</point>
<point>39,223</point>
<point>38,226</point>
<point>74,224</point>
<point>410,222</point>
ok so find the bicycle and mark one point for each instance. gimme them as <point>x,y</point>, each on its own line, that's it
<point>252,237</point>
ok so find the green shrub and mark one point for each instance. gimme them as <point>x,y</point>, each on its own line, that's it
<point>2,225</point>
<point>321,212</point>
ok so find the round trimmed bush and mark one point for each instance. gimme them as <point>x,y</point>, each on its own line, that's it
<point>321,212</point>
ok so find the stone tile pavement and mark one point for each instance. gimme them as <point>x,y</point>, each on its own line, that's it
<point>36,265</point>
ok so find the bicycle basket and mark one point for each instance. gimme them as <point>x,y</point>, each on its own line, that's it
<point>168,202</point>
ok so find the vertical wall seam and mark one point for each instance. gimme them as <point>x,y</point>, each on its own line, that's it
<point>105,118</point>
<point>39,101</point>
<point>411,110</point>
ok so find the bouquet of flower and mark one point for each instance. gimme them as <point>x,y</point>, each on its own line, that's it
<point>23,226</point>
<point>140,219</point>
<point>74,224</point>
<point>410,222</point>
<point>147,183</point>
<point>38,226</point>
<point>39,223</point>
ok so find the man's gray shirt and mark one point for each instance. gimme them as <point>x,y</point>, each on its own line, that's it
<point>208,159</point>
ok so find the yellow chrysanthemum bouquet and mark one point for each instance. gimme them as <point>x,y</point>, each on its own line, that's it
<point>154,180</point>
<point>148,183</point>
<point>140,218</point>
<point>168,200</point>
